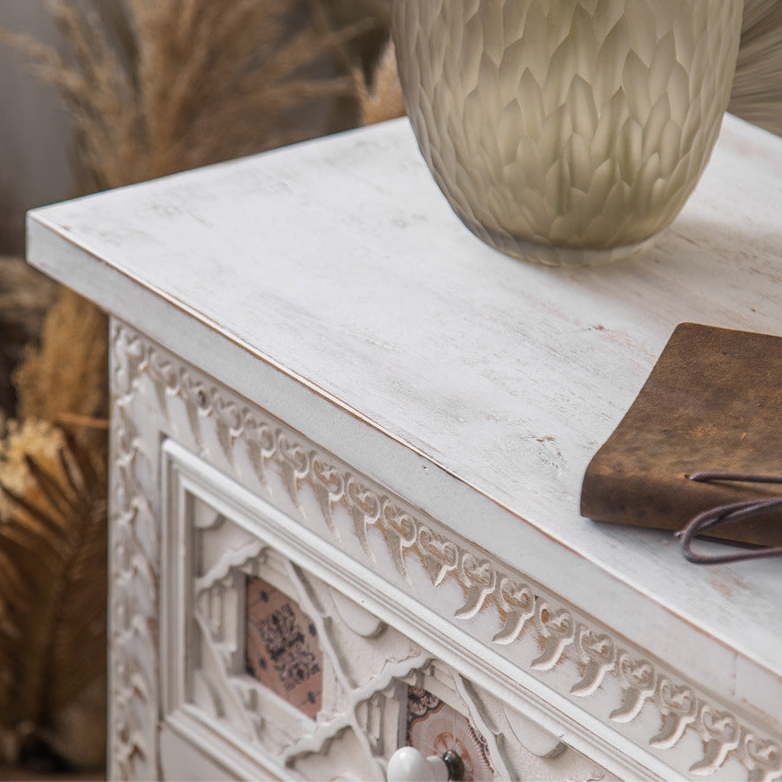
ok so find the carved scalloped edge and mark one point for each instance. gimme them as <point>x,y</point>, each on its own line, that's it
<point>489,584</point>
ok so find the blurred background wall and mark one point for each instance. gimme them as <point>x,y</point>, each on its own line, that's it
<point>34,128</point>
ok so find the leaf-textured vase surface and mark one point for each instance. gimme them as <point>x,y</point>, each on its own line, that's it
<point>567,131</point>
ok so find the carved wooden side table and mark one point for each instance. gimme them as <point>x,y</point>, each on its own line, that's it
<point>347,449</point>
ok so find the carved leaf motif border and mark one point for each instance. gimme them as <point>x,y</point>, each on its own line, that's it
<point>522,605</point>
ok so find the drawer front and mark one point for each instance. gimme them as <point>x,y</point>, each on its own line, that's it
<point>262,659</point>
<point>215,501</point>
<point>275,663</point>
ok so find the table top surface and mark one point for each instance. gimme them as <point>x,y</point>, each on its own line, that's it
<point>339,263</point>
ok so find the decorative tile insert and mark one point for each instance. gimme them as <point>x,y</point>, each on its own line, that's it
<point>282,649</point>
<point>434,727</point>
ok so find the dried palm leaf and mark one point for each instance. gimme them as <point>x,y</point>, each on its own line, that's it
<point>53,538</point>
<point>757,87</point>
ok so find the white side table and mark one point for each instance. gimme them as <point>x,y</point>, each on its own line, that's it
<point>347,448</point>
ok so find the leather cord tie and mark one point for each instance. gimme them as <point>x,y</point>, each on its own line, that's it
<point>709,519</point>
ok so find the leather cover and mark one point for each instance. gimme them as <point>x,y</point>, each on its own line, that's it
<point>712,402</point>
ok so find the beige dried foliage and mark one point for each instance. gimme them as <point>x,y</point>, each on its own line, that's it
<point>757,86</point>
<point>382,100</point>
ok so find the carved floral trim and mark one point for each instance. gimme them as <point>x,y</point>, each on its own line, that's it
<point>522,605</point>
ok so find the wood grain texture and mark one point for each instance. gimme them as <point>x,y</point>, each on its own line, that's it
<point>487,383</point>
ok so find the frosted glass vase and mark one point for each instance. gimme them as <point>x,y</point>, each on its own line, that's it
<point>567,132</point>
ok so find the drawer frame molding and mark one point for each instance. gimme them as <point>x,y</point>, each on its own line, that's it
<point>576,659</point>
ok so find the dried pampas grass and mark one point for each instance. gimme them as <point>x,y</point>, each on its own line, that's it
<point>159,87</point>
<point>757,87</point>
<point>67,376</point>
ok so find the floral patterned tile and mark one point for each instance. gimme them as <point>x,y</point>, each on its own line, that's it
<point>282,649</point>
<point>434,727</point>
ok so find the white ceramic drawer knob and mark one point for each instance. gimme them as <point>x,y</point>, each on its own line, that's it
<point>409,765</point>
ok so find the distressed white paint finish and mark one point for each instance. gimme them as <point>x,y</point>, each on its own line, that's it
<point>330,284</point>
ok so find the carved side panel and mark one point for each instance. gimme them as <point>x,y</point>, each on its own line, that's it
<point>134,567</point>
<point>665,718</point>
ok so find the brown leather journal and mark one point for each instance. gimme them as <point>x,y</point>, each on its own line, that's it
<point>713,402</point>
